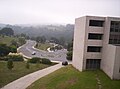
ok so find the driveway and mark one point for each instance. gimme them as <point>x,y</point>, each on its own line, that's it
<point>28,48</point>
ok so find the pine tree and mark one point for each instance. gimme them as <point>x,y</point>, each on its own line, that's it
<point>27,65</point>
<point>10,64</point>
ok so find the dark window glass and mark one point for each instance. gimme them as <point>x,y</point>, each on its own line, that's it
<point>114,32</point>
<point>97,23</point>
<point>115,26</point>
<point>95,36</point>
<point>93,63</point>
<point>93,49</point>
<point>114,39</point>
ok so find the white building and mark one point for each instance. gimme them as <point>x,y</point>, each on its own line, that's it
<point>97,44</point>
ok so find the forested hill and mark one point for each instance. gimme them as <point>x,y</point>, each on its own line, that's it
<point>48,31</point>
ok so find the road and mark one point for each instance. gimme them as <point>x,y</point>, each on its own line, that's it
<point>28,48</point>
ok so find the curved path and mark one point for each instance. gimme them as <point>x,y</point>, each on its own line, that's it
<point>28,48</point>
<point>24,82</point>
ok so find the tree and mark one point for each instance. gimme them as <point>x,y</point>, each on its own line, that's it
<point>4,50</point>
<point>70,46</point>
<point>69,55</point>
<point>27,65</point>
<point>23,35</point>
<point>10,64</point>
<point>14,43</point>
<point>13,49</point>
<point>55,40</point>
<point>41,39</point>
<point>21,40</point>
<point>7,31</point>
<point>38,39</point>
<point>62,41</point>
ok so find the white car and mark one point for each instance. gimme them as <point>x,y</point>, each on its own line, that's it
<point>33,53</point>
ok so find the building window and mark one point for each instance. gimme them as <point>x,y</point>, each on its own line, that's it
<point>115,26</point>
<point>93,49</point>
<point>93,63</point>
<point>95,36</point>
<point>97,23</point>
<point>114,39</point>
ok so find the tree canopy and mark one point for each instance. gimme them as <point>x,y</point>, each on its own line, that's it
<point>7,31</point>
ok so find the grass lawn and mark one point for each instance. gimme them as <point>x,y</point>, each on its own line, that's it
<point>6,40</point>
<point>70,78</point>
<point>44,46</point>
<point>19,70</point>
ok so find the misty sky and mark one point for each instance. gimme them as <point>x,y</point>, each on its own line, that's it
<point>54,11</point>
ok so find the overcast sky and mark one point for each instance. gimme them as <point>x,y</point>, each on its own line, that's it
<point>54,11</point>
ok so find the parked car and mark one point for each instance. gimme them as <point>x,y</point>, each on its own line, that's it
<point>65,63</point>
<point>33,53</point>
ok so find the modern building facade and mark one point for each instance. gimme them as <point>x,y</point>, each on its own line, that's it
<point>97,44</point>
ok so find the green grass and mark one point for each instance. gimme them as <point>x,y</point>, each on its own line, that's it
<point>6,39</point>
<point>19,70</point>
<point>43,46</point>
<point>70,78</point>
<point>107,83</point>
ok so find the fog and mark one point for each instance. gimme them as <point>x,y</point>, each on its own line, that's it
<point>54,11</point>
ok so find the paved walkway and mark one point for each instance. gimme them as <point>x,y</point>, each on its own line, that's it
<point>24,82</point>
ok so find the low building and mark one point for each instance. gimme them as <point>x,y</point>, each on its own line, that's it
<point>97,44</point>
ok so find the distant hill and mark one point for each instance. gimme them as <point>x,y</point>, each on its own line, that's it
<point>48,31</point>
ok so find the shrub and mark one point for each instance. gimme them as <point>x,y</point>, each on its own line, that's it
<point>4,50</point>
<point>35,60</point>
<point>52,48</point>
<point>2,58</point>
<point>69,55</point>
<point>15,57</point>
<point>13,49</point>
<point>46,61</point>
<point>10,64</point>
<point>27,65</point>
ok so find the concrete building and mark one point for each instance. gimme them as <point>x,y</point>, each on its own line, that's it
<point>97,44</point>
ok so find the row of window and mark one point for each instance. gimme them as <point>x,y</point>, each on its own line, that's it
<point>95,36</point>
<point>114,41</point>
<point>115,26</point>
<point>97,23</point>
<point>94,49</point>
<point>114,29</point>
<point>93,63</point>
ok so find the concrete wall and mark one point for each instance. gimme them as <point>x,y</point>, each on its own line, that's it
<point>107,62</point>
<point>116,71</point>
<point>78,44</point>
<point>109,54</point>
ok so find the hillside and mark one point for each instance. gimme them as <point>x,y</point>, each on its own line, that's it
<point>6,40</point>
<point>48,31</point>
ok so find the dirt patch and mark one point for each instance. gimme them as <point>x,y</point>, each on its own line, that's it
<point>72,81</point>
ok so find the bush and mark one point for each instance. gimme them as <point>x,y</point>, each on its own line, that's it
<point>14,58</point>
<point>2,58</point>
<point>4,50</point>
<point>69,55</point>
<point>10,64</point>
<point>13,49</point>
<point>46,61</point>
<point>27,65</point>
<point>35,60</point>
